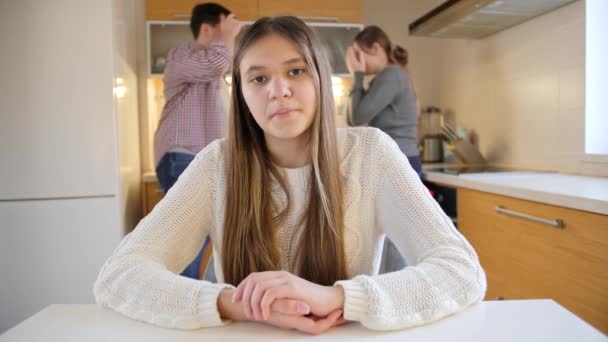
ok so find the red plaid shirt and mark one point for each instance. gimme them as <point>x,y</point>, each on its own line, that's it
<point>194,114</point>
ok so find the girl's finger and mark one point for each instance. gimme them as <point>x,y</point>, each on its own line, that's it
<point>299,307</point>
<point>256,277</point>
<point>246,299</point>
<point>320,326</point>
<point>238,292</point>
<point>279,292</point>
<point>289,307</point>
<point>258,293</point>
<point>256,297</point>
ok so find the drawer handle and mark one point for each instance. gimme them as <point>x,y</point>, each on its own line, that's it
<point>159,190</point>
<point>557,223</point>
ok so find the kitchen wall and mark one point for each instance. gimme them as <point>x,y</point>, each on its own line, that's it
<point>394,16</point>
<point>522,90</point>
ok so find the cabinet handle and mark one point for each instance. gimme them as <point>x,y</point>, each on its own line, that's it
<point>318,18</point>
<point>159,190</point>
<point>557,223</point>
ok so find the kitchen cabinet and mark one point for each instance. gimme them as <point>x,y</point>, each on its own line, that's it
<point>525,259</point>
<point>165,35</point>
<point>152,194</point>
<point>182,9</point>
<point>345,11</point>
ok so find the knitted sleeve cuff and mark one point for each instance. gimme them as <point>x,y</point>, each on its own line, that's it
<point>207,305</point>
<point>355,300</point>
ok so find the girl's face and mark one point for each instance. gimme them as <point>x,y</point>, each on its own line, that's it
<point>278,89</point>
<point>375,58</point>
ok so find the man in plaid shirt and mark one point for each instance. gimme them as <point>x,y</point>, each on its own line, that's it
<point>194,114</point>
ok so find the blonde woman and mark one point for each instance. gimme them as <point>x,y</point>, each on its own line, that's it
<point>297,212</point>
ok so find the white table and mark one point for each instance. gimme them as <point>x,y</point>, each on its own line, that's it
<point>519,321</point>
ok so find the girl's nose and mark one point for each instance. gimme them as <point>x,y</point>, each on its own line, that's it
<point>279,88</point>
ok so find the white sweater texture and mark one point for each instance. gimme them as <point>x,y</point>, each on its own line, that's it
<point>383,196</point>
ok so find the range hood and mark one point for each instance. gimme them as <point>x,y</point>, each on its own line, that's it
<point>476,19</point>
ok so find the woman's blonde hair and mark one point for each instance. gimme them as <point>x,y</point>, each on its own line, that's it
<point>253,214</point>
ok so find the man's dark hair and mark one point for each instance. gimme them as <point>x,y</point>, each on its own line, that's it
<point>207,13</point>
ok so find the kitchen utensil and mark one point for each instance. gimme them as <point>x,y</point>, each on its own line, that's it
<point>466,152</point>
<point>449,134</point>
<point>432,120</point>
<point>432,148</point>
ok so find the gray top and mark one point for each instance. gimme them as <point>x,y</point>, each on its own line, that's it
<point>389,104</point>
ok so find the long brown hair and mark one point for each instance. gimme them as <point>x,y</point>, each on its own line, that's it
<point>374,34</point>
<point>252,212</point>
<point>396,54</point>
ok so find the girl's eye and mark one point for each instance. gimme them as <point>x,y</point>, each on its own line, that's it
<point>295,72</point>
<point>258,80</point>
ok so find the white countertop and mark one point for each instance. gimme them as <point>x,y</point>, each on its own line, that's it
<point>521,321</point>
<point>570,191</point>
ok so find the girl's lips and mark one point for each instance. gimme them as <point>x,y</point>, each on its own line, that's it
<point>282,112</point>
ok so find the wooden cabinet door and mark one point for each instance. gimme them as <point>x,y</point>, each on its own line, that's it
<point>345,11</point>
<point>182,9</point>
<point>153,193</point>
<point>524,259</point>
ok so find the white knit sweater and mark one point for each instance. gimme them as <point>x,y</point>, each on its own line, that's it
<point>383,196</point>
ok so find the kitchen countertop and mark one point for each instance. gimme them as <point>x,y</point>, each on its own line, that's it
<point>522,321</point>
<point>149,177</point>
<point>570,191</point>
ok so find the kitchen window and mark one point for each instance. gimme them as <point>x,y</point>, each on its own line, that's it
<point>596,74</point>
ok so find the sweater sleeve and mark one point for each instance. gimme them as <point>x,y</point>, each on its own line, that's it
<point>198,65</point>
<point>444,275</point>
<point>141,280</point>
<point>364,106</point>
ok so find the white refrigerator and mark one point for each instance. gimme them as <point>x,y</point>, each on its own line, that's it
<point>69,147</point>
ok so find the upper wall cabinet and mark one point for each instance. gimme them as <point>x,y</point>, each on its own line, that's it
<point>182,9</point>
<point>164,35</point>
<point>345,11</point>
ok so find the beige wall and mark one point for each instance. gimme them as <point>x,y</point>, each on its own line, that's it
<point>522,90</point>
<point>394,16</point>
